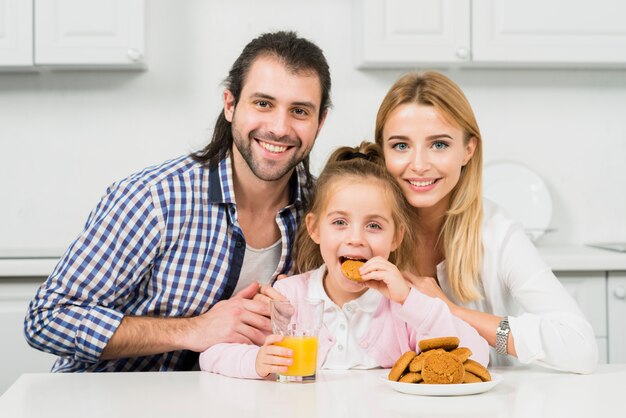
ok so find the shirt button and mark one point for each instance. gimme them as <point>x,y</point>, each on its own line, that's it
<point>238,244</point>
<point>349,308</point>
<point>342,327</point>
<point>364,344</point>
<point>340,347</point>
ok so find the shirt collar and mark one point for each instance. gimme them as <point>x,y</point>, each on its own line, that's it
<point>367,302</point>
<point>221,188</point>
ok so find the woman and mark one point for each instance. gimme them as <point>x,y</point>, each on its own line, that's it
<point>468,253</point>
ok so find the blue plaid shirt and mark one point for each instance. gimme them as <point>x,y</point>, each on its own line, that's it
<point>163,242</point>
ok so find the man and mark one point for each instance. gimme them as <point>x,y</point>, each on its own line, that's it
<point>149,281</point>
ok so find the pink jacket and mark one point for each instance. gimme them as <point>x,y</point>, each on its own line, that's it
<point>394,330</point>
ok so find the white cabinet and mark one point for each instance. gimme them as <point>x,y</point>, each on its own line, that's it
<point>589,290</point>
<point>16,356</point>
<point>408,33</point>
<point>616,296</point>
<point>72,33</point>
<point>16,33</point>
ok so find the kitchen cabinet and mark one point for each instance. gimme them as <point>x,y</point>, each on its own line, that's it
<point>589,291</point>
<point>72,34</point>
<point>485,33</point>
<point>616,299</point>
<point>16,356</point>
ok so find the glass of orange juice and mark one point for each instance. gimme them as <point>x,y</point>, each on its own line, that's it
<point>299,323</point>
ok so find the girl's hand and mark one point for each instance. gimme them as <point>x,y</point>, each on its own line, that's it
<point>428,286</point>
<point>273,358</point>
<point>385,277</point>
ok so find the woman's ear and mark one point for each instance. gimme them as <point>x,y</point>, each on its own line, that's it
<point>312,228</point>
<point>469,149</point>
<point>397,239</point>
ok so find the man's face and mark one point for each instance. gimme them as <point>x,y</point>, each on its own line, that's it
<point>277,118</point>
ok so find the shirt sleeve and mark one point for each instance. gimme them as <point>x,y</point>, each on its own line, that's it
<point>229,359</point>
<point>79,307</point>
<point>550,330</point>
<point>431,318</point>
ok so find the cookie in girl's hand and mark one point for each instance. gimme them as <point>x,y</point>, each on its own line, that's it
<point>350,269</point>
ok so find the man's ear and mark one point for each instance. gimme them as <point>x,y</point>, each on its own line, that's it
<point>312,228</point>
<point>322,120</point>
<point>229,105</point>
<point>397,240</point>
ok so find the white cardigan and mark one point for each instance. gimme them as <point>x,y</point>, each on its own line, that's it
<point>548,326</point>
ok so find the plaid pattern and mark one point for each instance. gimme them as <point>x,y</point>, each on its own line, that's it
<point>163,242</point>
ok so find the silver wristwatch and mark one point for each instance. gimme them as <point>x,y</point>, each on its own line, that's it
<point>502,336</point>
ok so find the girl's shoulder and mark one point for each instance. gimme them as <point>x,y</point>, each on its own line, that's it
<point>295,287</point>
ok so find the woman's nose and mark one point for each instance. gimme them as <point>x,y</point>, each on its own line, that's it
<point>420,162</point>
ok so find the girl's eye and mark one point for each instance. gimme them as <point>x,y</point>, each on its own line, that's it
<point>374,225</point>
<point>400,146</point>
<point>340,222</point>
<point>438,145</point>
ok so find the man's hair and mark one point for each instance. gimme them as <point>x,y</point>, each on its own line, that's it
<point>297,54</point>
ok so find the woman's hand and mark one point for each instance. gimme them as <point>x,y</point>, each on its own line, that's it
<point>428,286</point>
<point>385,277</point>
<point>273,358</point>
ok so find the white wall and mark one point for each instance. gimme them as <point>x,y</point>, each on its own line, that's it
<point>65,136</point>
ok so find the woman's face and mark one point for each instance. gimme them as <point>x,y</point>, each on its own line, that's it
<point>425,154</point>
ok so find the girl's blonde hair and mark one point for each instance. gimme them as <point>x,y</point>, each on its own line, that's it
<point>460,236</point>
<point>356,164</point>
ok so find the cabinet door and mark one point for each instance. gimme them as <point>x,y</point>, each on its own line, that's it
<point>408,33</point>
<point>16,356</point>
<point>617,317</point>
<point>554,32</point>
<point>589,291</point>
<point>89,32</point>
<point>16,33</point>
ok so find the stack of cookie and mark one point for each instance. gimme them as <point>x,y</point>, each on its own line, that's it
<point>441,361</point>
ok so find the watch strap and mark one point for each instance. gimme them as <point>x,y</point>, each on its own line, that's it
<point>502,336</point>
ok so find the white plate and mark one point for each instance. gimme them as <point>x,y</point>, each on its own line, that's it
<point>522,193</point>
<point>444,390</point>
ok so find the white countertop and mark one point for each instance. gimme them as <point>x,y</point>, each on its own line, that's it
<point>524,392</point>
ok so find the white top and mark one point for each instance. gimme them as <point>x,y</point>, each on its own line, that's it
<point>523,393</point>
<point>259,265</point>
<point>548,326</point>
<point>347,324</point>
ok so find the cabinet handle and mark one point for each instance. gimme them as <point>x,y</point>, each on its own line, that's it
<point>134,55</point>
<point>620,292</point>
<point>462,53</point>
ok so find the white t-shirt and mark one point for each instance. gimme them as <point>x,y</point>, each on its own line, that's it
<point>548,326</point>
<point>259,265</point>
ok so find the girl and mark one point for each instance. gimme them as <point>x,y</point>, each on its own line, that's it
<point>358,211</point>
<point>468,254</point>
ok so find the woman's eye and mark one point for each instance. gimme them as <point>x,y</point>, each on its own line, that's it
<point>440,145</point>
<point>400,146</point>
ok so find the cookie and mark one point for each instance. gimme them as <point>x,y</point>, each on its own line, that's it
<point>401,364</point>
<point>418,362</point>
<point>350,269</point>
<point>447,343</point>
<point>463,353</point>
<point>442,368</point>
<point>413,378</point>
<point>478,369</point>
<point>470,377</point>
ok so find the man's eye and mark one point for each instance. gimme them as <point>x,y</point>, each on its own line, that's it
<point>262,103</point>
<point>300,112</point>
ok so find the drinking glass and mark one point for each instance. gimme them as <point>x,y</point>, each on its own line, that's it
<point>299,323</point>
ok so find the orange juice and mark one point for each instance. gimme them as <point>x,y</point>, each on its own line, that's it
<point>304,355</point>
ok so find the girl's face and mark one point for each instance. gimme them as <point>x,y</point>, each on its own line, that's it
<point>425,154</point>
<point>356,223</point>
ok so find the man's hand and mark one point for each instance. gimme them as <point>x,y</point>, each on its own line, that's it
<point>240,319</point>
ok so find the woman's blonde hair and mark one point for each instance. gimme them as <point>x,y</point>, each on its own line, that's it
<point>359,164</point>
<point>460,237</point>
